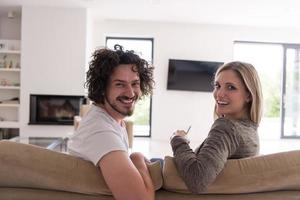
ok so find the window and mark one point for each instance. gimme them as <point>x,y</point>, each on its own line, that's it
<point>142,114</point>
<point>278,67</point>
<point>291,92</point>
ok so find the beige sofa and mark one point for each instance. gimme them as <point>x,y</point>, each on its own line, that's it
<point>30,172</point>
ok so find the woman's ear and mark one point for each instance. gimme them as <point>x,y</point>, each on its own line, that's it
<point>249,98</point>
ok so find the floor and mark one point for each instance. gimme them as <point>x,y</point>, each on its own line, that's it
<point>156,148</point>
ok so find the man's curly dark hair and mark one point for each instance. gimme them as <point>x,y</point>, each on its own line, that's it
<point>105,60</point>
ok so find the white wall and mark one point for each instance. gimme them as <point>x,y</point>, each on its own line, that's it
<point>52,61</point>
<point>173,110</point>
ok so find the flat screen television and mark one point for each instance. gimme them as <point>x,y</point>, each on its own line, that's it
<point>191,75</point>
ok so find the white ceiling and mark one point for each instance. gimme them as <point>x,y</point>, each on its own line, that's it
<point>270,13</point>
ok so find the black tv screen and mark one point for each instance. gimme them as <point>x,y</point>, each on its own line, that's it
<point>191,75</point>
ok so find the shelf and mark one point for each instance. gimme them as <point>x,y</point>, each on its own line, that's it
<point>10,51</point>
<point>9,124</point>
<point>10,105</point>
<point>10,78</point>
<point>10,70</point>
<point>10,87</point>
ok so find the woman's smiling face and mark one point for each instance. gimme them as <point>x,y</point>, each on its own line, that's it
<point>231,95</point>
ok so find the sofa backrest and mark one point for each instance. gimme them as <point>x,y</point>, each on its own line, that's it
<point>279,171</point>
<point>29,166</point>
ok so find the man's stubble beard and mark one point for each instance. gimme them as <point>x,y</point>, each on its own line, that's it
<point>115,108</point>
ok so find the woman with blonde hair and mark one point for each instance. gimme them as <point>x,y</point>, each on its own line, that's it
<point>238,109</point>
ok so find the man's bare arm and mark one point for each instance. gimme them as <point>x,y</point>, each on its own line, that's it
<point>124,179</point>
<point>138,160</point>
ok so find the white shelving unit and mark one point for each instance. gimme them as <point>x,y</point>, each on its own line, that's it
<point>9,124</point>
<point>10,51</point>
<point>9,105</point>
<point>10,87</point>
<point>10,70</point>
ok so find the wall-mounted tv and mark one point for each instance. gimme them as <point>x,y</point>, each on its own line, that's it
<point>191,75</point>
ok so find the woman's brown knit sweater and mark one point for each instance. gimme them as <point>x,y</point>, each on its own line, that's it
<point>227,139</point>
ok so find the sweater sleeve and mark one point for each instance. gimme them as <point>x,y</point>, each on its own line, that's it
<point>199,170</point>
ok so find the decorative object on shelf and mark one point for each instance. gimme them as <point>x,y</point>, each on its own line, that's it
<point>12,48</point>
<point>11,14</point>
<point>10,64</point>
<point>5,133</point>
<point>10,45</point>
<point>17,66</point>
<point>4,82</point>
<point>6,65</point>
<point>10,101</point>
<point>3,61</point>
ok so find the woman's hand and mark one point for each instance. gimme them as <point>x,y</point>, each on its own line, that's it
<point>180,133</point>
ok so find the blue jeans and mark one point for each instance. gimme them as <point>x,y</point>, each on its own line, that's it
<point>161,161</point>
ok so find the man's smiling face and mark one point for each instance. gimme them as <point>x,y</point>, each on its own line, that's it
<point>122,92</point>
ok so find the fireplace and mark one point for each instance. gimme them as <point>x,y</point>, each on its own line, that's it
<point>54,109</point>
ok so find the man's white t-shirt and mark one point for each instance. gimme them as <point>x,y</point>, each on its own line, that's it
<point>97,135</point>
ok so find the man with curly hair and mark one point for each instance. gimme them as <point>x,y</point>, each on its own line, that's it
<point>116,80</point>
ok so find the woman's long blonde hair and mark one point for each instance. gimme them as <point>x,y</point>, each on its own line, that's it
<point>250,78</point>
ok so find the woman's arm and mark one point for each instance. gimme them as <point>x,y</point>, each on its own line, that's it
<point>200,170</point>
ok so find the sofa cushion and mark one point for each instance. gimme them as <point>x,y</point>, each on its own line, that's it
<point>279,171</point>
<point>28,166</point>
